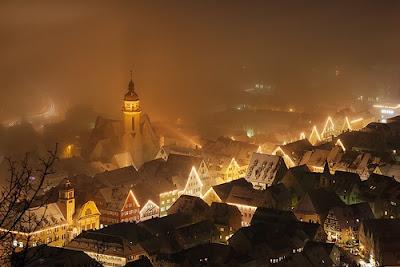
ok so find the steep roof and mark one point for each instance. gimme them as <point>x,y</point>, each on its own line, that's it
<point>130,231</point>
<point>166,224</point>
<point>118,176</point>
<point>179,150</point>
<point>351,215</point>
<point>381,186</point>
<point>229,148</point>
<point>223,190</point>
<point>316,157</point>
<point>268,215</point>
<point>247,196</point>
<point>222,213</point>
<point>273,237</point>
<point>35,218</point>
<point>297,149</point>
<point>392,170</point>
<point>344,181</point>
<point>175,170</point>
<point>189,205</point>
<point>265,168</point>
<point>53,256</point>
<point>215,253</point>
<point>362,140</point>
<point>319,201</point>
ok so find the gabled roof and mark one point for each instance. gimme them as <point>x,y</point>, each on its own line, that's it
<point>280,194</point>
<point>166,224</point>
<point>229,148</point>
<point>392,170</point>
<point>321,202</point>
<point>383,228</point>
<point>265,168</point>
<point>315,158</point>
<point>191,204</point>
<point>216,254</point>
<point>114,197</point>
<point>35,218</point>
<point>53,256</point>
<point>195,233</point>
<point>278,237</point>
<point>175,170</point>
<point>117,176</point>
<point>351,215</point>
<point>361,140</point>
<point>317,254</point>
<point>381,186</point>
<point>344,181</point>
<point>296,150</point>
<point>95,240</point>
<point>246,196</point>
<point>222,213</point>
<point>303,178</point>
<point>130,231</point>
<point>268,215</point>
<point>223,190</point>
<point>179,150</point>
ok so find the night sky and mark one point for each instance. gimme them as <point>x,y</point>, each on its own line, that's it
<point>192,56</point>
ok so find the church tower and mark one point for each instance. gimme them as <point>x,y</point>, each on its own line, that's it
<point>66,201</point>
<point>131,110</point>
<point>132,123</point>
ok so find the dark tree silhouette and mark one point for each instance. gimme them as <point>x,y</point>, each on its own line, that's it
<point>20,195</point>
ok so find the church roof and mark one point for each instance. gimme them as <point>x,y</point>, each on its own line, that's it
<point>131,94</point>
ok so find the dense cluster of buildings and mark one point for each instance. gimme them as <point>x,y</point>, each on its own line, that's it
<point>327,201</point>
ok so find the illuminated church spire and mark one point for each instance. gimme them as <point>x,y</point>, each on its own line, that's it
<point>131,94</point>
<point>131,109</point>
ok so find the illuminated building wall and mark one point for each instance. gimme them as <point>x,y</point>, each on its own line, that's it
<point>88,217</point>
<point>329,130</point>
<point>288,160</point>
<point>234,171</point>
<point>83,218</point>
<point>247,213</point>
<point>130,210</point>
<point>53,236</point>
<point>193,185</point>
<point>150,210</point>
<point>387,111</point>
<point>210,196</point>
<point>166,201</point>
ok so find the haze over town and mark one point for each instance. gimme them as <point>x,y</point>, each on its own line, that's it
<point>170,120</point>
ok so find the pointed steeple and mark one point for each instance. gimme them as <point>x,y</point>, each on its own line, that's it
<point>131,94</point>
<point>131,86</point>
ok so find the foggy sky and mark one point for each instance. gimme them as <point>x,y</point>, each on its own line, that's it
<point>190,56</point>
